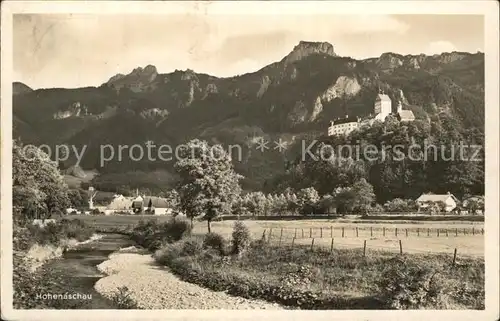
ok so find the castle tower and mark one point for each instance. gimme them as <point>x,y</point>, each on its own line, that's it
<point>400,107</point>
<point>382,107</point>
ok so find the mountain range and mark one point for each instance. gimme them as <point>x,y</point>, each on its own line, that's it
<point>289,99</point>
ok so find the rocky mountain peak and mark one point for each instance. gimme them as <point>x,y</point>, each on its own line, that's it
<point>137,80</point>
<point>306,48</point>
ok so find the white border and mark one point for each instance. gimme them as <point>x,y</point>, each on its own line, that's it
<point>487,8</point>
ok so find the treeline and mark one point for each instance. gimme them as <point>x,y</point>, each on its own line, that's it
<point>403,160</point>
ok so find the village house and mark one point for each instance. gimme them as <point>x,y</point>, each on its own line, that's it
<point>110,203</point>
<point>437,202</point>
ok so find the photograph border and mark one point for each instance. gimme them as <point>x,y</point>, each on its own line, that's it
<point>491,35</point>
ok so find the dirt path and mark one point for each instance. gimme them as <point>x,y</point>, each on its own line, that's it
<point>153,287</point>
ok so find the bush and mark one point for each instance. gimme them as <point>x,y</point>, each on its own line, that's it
<point>241,238</point>
<point>122,299</point>
<point>153,235</point>
<point>178,228</point>
<point>216,242</point>
<point>187,247</point>
<point>52,233</point>
<point>192,247</point>
<point>405,286</point>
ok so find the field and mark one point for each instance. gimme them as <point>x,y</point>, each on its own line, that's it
<point>408,237</point>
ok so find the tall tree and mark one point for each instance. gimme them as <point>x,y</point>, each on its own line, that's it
<point>208,183</point>
<point>38,186</point>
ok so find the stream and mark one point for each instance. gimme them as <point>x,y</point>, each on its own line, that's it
<point>76,273</point>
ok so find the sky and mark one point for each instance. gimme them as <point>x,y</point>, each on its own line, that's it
<point>79,50</point>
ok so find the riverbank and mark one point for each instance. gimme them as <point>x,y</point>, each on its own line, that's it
<point>154,287</point>
<point>67,281</point>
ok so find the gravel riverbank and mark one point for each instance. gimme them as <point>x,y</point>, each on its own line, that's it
<point>154,287</point>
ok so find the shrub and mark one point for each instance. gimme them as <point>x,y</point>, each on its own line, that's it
<point>408,286</point>
<point>187,247</point>
<point>178,228</point>
<point>240,238</point>
<point>215,241</point>
<point>153,235</point>
<point>53,233</point>
<point>192,246</point>
<point>122,299</point>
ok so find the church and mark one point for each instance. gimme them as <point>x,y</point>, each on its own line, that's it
<point>382,108</point>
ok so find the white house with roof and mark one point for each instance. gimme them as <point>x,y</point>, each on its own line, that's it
<point>446,202</point>
<point>343,126</point>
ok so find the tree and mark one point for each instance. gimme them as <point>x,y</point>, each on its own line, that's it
<point>363,195</point>
<point>307,199</point>
<point>399,205</point>
<point>255,202</point>
<point>357,198</point>
<point>208,183</point>
<point>78,198</point>
<point>344,199</point>
<point>326,204</point>
<point>38,187</point>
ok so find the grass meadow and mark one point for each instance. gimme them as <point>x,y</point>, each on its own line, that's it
<point>415,237</point>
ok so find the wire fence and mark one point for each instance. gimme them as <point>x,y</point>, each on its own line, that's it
<point>331,244</point>
<point>396,240</point>
<point>364,231</point>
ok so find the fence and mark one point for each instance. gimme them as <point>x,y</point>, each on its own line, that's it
<point>371,231</point>
<point>365,245</point>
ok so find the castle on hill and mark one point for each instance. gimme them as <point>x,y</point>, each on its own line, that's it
<point>382,108</point>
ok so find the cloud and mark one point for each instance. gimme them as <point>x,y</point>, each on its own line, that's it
<point>438,47</point>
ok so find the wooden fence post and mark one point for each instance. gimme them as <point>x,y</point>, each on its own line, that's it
<point>371,231</point>
<point>310,232</point>
<point>406,231</point>
<point>454,257</point>
<point>364,248</point>
<point>418,231</point>
<point>293,242</point>
<point>264,234</point>
<point>331,231</point>
<point>342,231</point>
<point>482,231</point>
<point>400,247</point>
<point>331,246</point>
<point>270,233</point>
<point>357,232</point>
<point>321,233</point>
<point>281,233</point>
<point>456,231</point>
<point>438,232</point>
<point>473,230</point>
<point>383,230</point>
<point>396,231</point>
<point>446,231</point>
<point>279,243</point>
<point>465,232</point>
<point>312,244</point>
<point>302,233</point>
<point>428,231</point>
